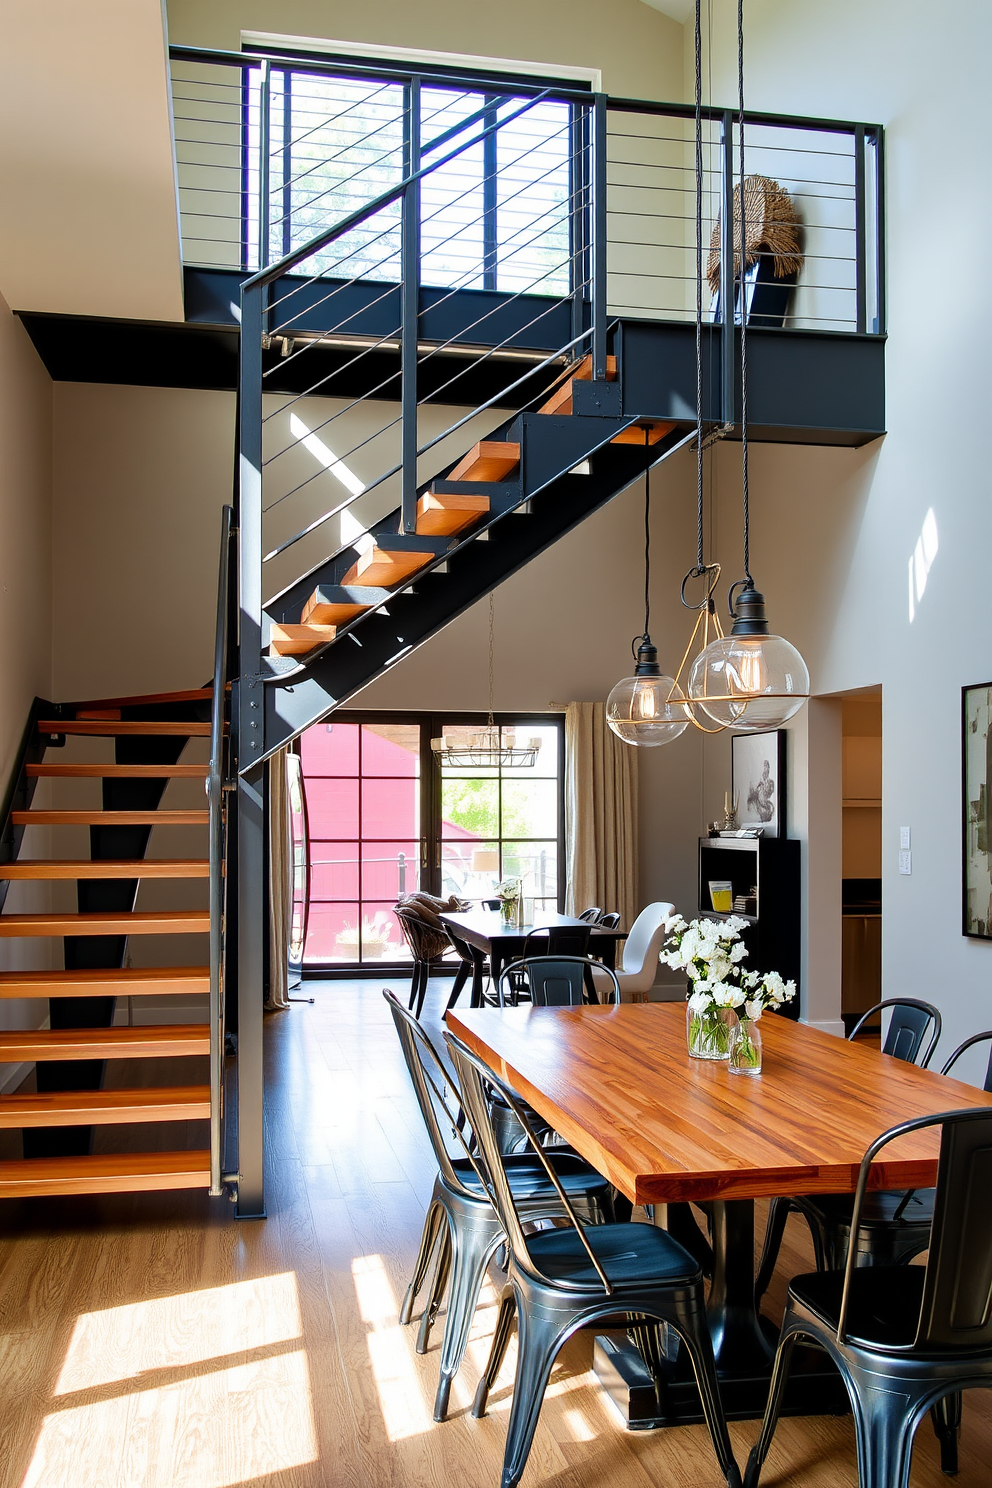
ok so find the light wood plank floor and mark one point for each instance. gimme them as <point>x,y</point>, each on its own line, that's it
<point>153,1342</point>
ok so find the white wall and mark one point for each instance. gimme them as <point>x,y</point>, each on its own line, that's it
<point>834,531</point>
<point>25,610</point>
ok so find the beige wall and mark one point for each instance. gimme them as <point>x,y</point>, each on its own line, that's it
<point>25,603</point>
<point>90,224</point>
<point>638,50</point>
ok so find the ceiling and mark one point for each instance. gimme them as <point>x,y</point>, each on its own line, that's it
<point>679,10</point>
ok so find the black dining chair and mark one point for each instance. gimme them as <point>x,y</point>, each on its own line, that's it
<point>914,1028</point>
<point>427,945</point>
<point>610,921</point>
<point>466,966</point>
<point>904,1338</point>
<point>553,981</point>
<point>460,1224</point>
<point>567,1278</point>
<point>591,916</point>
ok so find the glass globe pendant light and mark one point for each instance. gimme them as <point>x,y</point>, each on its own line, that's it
<point>647,708</point>
<point>751,679</point>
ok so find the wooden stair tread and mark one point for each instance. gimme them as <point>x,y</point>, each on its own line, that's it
<point>386,568</point>
<point>51,868</point>
<point>113,981</point>
<point>118,772</point>
<point>442,516</point>
<point>297,640</point>
<point>106,1107</point>
<point>636,433</point>
<point>560,400</point>
<point>139,922</point>
<point>116,1172</point>
<point>489,460</point>
<point>145,699</point>
<point>150,1042</point>
<point>194,818</point>
<point>111,728</point>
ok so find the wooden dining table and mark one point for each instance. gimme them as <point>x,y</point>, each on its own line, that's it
<point>486,934</point>
<point>667,1130</point>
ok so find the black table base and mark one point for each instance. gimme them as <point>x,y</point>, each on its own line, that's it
<point>743,1343</point>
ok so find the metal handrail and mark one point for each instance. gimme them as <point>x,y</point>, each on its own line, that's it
<point>216,783</point>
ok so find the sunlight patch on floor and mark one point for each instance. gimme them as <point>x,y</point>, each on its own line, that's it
<point>120,1343</point>
<point>391,1352</point>
<point>211,1430</point>
<point>201,1424</point>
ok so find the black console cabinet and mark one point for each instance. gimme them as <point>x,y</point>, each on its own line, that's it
<point>768,870</point>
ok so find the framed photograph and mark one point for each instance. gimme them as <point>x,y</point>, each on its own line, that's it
<point>758,781</point>
<point>976,773</point>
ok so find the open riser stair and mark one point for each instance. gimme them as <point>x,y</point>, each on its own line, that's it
<point>86,1124</point>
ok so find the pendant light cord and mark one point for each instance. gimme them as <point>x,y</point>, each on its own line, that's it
<point>492,626</point>
<point>748,581</point>
<point>647,555</point>
<point>699,287</point>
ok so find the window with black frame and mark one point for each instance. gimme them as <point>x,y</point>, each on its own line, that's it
<point>386,814</point>
<point>494,217</point>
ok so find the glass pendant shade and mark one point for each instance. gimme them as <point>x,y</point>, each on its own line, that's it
<point>749,680</point>
<point>648,708</point>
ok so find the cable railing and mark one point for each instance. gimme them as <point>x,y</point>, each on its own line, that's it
<point>272,150</point>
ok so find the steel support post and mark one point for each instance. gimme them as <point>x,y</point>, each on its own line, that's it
<point>252,900</point>
<point>860,234</point>
<point>727,410</point>
<point>599,238</point>
<point>410,309</point>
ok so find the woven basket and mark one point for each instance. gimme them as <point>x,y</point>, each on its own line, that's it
<point>773,229</point>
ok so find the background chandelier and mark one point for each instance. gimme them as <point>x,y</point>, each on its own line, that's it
<point>489,748</point>
<point>750,680</point>
<point>647,708</point>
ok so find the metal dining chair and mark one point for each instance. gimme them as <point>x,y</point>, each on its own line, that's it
<point>553,940</point>
<point>427,946</point>
<point>460,1223</point>
<point>567,1278</point>
<point>914,1026</point>
<point>903,1337</point>
<point>591,916</point>
<point>554,981</point>
<point>610,921</point>
<point>466,966</point>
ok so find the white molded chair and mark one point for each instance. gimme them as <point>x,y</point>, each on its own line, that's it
<point>639,963</point>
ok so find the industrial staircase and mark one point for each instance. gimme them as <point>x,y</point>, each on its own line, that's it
<point>76,1095</point>
<point>488,415</point>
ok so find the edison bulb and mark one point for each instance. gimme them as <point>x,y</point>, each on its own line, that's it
<point>647,710</point>
<point>749,682</point>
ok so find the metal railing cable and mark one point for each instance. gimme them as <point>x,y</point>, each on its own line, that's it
<point>218,781</point>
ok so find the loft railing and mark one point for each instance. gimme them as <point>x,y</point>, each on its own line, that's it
<point>270,150</point>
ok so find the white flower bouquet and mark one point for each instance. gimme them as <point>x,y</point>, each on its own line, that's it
<point>721,991</point>
<point>508,894</point>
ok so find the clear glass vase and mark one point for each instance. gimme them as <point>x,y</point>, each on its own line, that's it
<point>508,911</point>
<point>745,1047</point>
<point>707,1035</point>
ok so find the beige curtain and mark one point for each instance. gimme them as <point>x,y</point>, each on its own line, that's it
<point>600,815</point>
<point>280,882</point>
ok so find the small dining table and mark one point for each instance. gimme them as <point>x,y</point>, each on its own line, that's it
<point>487,934</point>
<point>667,1130</point>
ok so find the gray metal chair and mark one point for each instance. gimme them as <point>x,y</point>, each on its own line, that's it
<point>591,916</point>
<point>913,1026</point>
<point>564,1279</point>
<point>460,1224</point>
<point>904,1338</point>
<point>610,921</point>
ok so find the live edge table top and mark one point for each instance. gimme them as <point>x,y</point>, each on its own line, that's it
<point>618,1084</point>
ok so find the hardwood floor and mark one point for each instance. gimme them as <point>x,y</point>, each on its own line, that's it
<point>151,1341</point>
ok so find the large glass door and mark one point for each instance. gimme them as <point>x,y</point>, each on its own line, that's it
<point>385,816</point>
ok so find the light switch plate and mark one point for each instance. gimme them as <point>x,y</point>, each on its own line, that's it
<point>905,862</point>
<point>905,838</point>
